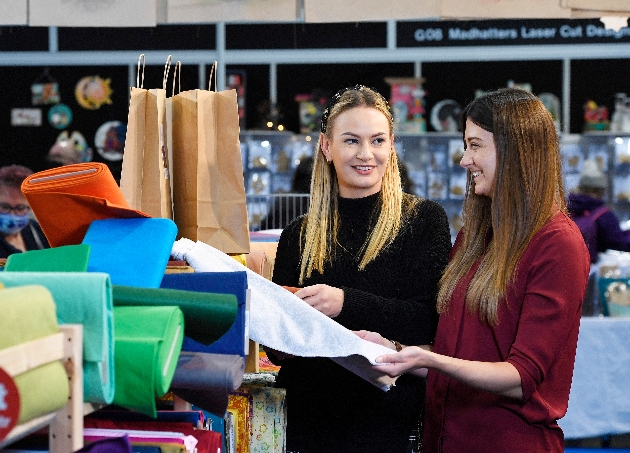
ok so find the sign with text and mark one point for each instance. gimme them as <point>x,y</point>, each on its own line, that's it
<point>507,33</point>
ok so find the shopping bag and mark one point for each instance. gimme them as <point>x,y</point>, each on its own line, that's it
<point>145,178</point>
<point>208,186</point>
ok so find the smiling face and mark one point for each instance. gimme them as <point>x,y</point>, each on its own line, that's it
<point>480,157</point>
<point>359,146</point>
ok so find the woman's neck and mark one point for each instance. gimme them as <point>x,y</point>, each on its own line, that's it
<point>16,240</point>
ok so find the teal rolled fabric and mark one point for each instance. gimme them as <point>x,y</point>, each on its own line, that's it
<point>82,298</point>
<point>28,313</point>
<point>148,343</point>
<point>207,316</point>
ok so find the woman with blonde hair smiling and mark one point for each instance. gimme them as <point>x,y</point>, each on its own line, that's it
<point>370,257</point>
<point>510,298</point>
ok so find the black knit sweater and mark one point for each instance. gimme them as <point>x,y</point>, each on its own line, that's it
<point>329,408</point>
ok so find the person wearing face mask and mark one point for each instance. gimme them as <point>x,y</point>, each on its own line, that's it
<point>19,232</point>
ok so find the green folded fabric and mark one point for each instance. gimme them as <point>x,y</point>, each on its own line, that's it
<point>207,316</point>
<point>68,258</point>
<point>148,343</point>
<point>82,298</point>
<point>28,313</point>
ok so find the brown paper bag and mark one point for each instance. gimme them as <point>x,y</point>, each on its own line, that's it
<point>208,187</point>
<point>145,179</point>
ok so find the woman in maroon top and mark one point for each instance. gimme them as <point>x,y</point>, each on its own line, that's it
<point>510,298</point>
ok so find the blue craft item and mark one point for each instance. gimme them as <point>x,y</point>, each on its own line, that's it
<point>235,340</point>
<point>134,252</point>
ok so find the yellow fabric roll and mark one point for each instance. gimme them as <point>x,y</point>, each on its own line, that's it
<point>29,313</point>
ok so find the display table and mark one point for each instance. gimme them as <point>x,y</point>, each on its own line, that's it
<point>599,403</point>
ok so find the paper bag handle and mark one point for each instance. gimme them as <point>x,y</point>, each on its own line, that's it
<point>177,75</point>
<point>138,84</point>
<point>213,72</point>
<point>167,69</point>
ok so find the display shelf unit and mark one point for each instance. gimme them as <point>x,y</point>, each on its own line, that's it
<point>66,424</point>
<point>432,161</point>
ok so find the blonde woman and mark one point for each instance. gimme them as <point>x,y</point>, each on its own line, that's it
<point>370,257</point>
<point>510,299</point>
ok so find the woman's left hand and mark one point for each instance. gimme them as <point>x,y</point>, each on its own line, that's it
<point>410,358</point>
<point>324,298</point>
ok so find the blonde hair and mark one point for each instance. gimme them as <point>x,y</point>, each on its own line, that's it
<point>527,188</point>
<point>321,225</point>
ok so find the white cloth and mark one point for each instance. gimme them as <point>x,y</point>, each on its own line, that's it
<point>284,322</point>
<point>599,402</point>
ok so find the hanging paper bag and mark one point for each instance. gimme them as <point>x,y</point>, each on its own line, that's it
<point>145,177</point>
<point>208,186</point>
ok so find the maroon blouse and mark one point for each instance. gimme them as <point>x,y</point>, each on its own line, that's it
<point>537,333</point>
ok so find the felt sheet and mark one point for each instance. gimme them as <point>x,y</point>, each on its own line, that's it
<point>134,252</point>
<point>206,380</point>
<point>148,342</point>
<point>282,321</point>
<point>67,258</point>
<point>28,313</point>
<point>236,339</point>
<point>207,316</point>
<point>67,199</point>
<point>82,298</point>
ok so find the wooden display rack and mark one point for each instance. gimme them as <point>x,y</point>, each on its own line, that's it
<point>66,424</point>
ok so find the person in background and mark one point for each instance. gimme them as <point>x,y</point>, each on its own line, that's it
<point>286,208</point>
<point>510,299</point>
<point>370,257</point>
<point>599,225</point>
<point>18,231</point>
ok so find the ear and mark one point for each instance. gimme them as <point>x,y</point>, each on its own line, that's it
<point>325,145</point>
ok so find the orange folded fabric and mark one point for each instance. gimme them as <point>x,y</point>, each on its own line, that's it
<point>66,199</point>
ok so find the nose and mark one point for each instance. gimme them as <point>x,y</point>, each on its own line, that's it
<point>466,160</point>
<point>364,153</point>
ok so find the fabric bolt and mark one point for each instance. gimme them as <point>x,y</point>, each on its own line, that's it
<point>207,316</point>
<point>241,404</point>
<point>134,252</point>
<point>268,421</point>
<point>207,441</point>
<point>67,258</point>
<point>82,298</point>
<point>169,442</point>
<point>111,445</point>
<point>329,409</point>
<point>282,321</point>
<point>236,338</point>
<point>148,341</point>
<point>34,239</point>
<point>206,380</point>
<point>537,333</point>
<point>67,199</point>
<point>28,313</point>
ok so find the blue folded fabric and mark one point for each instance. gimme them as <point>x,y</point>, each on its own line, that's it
<point>82,298</point>
<point>235,340</point>
<point>134,252</point>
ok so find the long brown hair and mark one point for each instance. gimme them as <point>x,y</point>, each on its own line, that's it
<point>527,191</point>
<point>319,230</point>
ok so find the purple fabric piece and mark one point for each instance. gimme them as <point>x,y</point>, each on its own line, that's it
<point>112,445</point>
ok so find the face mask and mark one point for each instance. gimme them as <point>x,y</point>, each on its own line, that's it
<point>11,224</point>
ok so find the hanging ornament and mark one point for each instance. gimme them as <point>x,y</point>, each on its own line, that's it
<point>60,116</point>
<point>45,90</point>
<point>109,140</point>
<point>92,92</point>
<point>70,149</point>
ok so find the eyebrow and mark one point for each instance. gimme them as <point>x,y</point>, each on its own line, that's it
<point>378,134</point>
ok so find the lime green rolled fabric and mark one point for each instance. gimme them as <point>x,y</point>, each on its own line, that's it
<point>148,341</point>
<point>207,316</point>
<point>82,298</point>
<point>28,313</point>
